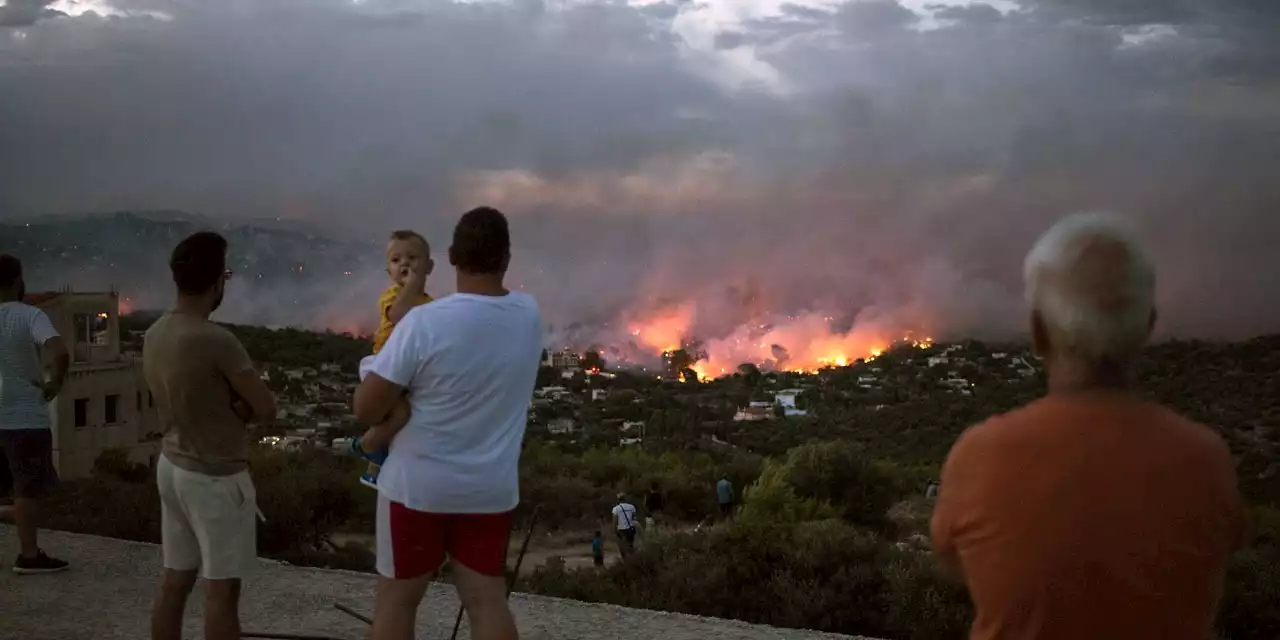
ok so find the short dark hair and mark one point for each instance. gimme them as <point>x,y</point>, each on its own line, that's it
<point>481,242</point>
<point>199,262</point>
<point>408,234</point>
<point>10,270</point>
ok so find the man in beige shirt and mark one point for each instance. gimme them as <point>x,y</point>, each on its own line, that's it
<point>206,390</point>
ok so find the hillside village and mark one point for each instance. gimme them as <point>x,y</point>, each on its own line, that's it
<point>579,399</point>
<point>835,469</point>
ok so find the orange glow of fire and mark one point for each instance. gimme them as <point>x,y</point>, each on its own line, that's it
<point>809,344</point>
<point>663,332</point>
<point>125,308</point>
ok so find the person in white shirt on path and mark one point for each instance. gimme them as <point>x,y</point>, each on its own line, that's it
<point>624,521</point>
<point>27,471</point>
<point>450,482</point>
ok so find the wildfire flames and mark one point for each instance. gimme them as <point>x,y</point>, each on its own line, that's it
<point>793,343</point>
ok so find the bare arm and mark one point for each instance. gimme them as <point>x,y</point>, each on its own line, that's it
<point>254,392</point>
<point>54,349</point>
<point>256,402</point>
<point>409,294</point>
<point>60,361</point>
<point>375,398</point>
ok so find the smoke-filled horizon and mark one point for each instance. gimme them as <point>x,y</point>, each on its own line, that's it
<point>821,174</point>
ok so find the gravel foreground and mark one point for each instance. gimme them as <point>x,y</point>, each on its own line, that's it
<point>106,595</point>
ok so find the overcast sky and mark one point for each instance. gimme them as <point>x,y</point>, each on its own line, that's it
<point>890,159</point>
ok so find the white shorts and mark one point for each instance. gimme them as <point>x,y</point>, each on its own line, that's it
<point>207,522</point>
<point>366,363</point>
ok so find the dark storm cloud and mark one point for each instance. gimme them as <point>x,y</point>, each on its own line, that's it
<point>900,167</point>
<point>1239,37</point>
<point>24,13</point>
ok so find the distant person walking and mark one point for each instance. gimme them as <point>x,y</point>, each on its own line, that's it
<point>725,497</point>
<point>451,478</point>
<point>597,549</point>
<point>624,521</point>
<point>206,390</point>
<point>1090,513</point>
<point>653,505</point>
<point>27,471</point>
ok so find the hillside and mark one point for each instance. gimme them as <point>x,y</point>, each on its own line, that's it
<point>833,467</point>
<point>285,272</point>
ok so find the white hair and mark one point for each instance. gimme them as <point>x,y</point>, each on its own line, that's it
<point>1093,286</point>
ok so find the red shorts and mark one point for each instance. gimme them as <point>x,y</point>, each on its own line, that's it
<point>413,544</point>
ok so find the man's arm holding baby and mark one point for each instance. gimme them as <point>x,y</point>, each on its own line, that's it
<point>379,436</point>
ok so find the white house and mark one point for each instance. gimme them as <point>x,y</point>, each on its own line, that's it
<point>551,393</point>
<point>787,399</point>
<point>754,411</point>
<point>560,426</point>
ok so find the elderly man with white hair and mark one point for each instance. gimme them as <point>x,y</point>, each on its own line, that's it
<point>1089,513</point>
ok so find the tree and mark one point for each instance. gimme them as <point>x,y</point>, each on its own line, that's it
<point>592,360</point>
<point>678,361</point>
<point>750,374</point>
<point>548,377</point>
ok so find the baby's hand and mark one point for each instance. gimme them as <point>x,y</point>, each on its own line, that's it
<point>416,276</point>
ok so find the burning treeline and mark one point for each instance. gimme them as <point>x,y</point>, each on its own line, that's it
<point>800,343</point>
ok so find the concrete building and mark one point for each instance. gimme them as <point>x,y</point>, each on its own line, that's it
<point>104,402</point>
<point>754,411</point>
<point>566,359</point>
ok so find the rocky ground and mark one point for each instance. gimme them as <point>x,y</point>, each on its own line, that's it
<point>107,594</point>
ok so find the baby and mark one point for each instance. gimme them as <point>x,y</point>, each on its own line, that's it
<point>408,264</point>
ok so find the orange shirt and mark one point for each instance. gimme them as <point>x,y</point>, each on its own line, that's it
<point>385,325</point>
<point>1090,516</point>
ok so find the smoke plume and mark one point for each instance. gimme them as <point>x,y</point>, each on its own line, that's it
<point>821,176</point>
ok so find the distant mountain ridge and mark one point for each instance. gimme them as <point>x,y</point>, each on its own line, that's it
<point>286,271</point>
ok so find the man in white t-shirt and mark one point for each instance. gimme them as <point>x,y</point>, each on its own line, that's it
<point>469,362</point>
<point>624,520</point>
<point>26,440</point>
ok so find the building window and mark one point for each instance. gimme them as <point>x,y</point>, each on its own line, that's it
<point>82,412</point>
<point>92,328</point>
<point>112,412</point>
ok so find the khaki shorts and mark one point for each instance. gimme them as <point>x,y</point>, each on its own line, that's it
<point>207,522</point>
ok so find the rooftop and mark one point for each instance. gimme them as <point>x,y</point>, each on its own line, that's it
<point>106,595</point>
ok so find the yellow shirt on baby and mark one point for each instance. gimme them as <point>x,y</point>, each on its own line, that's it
<point>385,325</point>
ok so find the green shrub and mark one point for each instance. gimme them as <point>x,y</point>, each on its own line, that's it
<point>820,479</point>
<point>114,463</point>
<point>824,575</point>
<point>1250,608</point>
